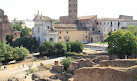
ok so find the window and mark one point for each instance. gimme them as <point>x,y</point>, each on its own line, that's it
<point>59,37</point>
<point>85,31</point>
<point>48,27</point>
<point>93,29</point>
<point>38,29</point>
<point>111,24</point>
<point>67,31</point>
<point>104,23</point>
<point>97,36</point>
<point>60,32</point>
<point>86,36</point>
<point>100,36</point>
<point>100,23</point>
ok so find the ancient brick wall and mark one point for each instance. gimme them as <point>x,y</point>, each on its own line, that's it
<point>102,74</point>
<point>118,63</point>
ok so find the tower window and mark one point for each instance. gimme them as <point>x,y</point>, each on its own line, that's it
<point>59,37</point>
<point>67,31</point>
<point>60,32</point>
<point>86,36</point>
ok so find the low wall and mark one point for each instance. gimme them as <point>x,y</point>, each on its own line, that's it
<point>118,63</point>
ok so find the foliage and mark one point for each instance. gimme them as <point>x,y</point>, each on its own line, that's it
<point>20,53</point>
<point>30,43</point>
<point>77,47</point>
<point>9,38</point>
<point>0,64</point>
<point>73,54</point>
<point>47,49</point>
<point>122,43</point>
<point>57,22</point>
<point>60,48</point>
<point>65,62</point>
<point>102,42</point>
<point>24,32</point>
<point>6,52</point>
<point>132,29</point>
<point>68,45</point>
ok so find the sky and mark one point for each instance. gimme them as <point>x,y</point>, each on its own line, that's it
<point>25,9</point>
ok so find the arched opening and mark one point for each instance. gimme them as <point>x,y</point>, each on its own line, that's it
<point>51,39</point>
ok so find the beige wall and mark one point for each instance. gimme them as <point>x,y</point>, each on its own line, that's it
<point>96,38</point>
<point>73,35</point>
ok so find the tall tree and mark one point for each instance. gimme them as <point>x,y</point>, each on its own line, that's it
<point>122,43</point>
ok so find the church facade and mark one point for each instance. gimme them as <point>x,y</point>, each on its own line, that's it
<point>43,30</point>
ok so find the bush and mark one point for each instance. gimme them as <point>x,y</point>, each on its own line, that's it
<point>68,45</point>
<point>122,43</point>
<point>47,48</point>
<point>6,52</point>
<point>60,48</point>
<point>65,62</point>
<point>28,42</point>
<point>77,47</point>
<point>0,64</point>
<point>20,53</point>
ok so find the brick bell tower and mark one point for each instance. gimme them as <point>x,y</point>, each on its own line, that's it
<point>72,11</point>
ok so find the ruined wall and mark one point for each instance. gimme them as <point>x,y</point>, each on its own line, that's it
<point>118,63</point>
<point>102,74</point>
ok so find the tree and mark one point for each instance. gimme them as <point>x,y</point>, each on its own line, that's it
<point>6,52</point>
<point>60,48</point>
<point>47,49</point>
<point>20,53</point>
<point>65,62</point>
<point>132,29</point>
<point>68,45</point>
<point>29,42</point>
<point>9,38</point>
<point>25,32</point>
<point>77,47</point>
<point>122,43</point>
<point>57,22</point>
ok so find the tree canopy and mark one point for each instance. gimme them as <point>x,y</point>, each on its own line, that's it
<point>122,43</point>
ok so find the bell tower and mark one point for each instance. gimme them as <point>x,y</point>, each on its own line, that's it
<point>72,11</point>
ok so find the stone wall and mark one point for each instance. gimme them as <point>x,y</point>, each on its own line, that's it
<point>103,74</point>
<point>118,63</point>
<point>58,68</point>
<point>79,64</point>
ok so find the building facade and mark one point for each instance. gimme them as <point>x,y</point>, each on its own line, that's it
<point>5,26</point>
<point>43,30</point>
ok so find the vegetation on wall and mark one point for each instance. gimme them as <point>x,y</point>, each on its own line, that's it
<point>65,62</point>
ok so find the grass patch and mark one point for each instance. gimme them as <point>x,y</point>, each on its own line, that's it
<point>73,54</point>
<point>101,42</point>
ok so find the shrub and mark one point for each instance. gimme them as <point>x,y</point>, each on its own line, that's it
<point>60,48</point>
<point>65,62</point>
<point>28,42</point>
<point>68,45</point>
<point>47,48</point>
<point>77,47</point>
<point>0,64</point>
<point>6,52</point>
<point>20,53</point>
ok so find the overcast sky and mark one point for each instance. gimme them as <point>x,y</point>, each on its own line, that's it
<point>25,9</point>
